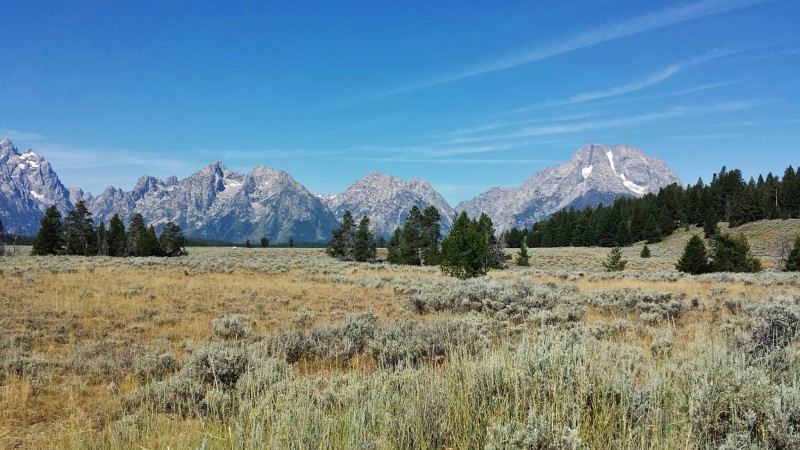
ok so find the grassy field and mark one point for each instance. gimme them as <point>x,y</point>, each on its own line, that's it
<point>287,348</point>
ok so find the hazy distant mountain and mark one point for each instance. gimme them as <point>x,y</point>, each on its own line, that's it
<point>595,174</point>
<point>387,200</point>
<point>28,185</point>
<point>217,203</point>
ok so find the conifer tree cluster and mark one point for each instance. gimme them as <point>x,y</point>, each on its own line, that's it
<point>351,242</point>
<point>471,248</point>
<point>77,235</point>
<point>650,218</point>
<point>730,254</point>
<point>416,243</point>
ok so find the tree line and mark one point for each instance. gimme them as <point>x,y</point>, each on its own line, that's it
<point>470,250</point>
<point>76,234</point>
<point>653,216</point>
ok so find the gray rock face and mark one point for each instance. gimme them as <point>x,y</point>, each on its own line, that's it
<point>386,200</point>
<point>220,204</point>
<point>595,174</point>
<point>217,203</point>
<point>28,186</point>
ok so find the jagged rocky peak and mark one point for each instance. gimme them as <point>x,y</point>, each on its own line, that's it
<point>595,174</point>
<point>7,148</point>
<point>387,199</point>
<point>28,186</point>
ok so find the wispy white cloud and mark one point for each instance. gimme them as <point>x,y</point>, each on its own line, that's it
<point>623,29</point>
<point>678,111</point>
<point>650,81</point>
<point>597,95</point>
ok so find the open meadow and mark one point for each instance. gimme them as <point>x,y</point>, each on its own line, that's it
<point>288,348</point>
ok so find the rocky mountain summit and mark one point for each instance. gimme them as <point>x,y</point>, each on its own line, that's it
<point>28,185</point>
<point>386,200</point>
<point>595,174</point>
<point>217,203</point>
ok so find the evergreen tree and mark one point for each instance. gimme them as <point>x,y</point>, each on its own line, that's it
<point>171,241</point>
<point>710,228</point>
<point>137,244</point>
<point>102,240</point>
<point>645,252</point>
<point>393,248</point>
<point>431,236</point>
<point>290,242</point>
<point>49,238</point>
<point>2,239</point>
<point>117,238</point>
<point>341,245</point>
<point>695,257</point>
<point>614,261</point>
<point>495,256</point>
<point>522,257</point>
<point>793,260</point>
<point>464,250</point>
<point>411,239</point>
<point>364,242</point>
<point>247,243</point>
<point>78,231</point>
<point>151,246</point>
<point>732,254</point>
<point>264,242</point>
<point>652,231</point>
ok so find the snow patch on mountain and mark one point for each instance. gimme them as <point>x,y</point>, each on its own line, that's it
<point>624,171</point>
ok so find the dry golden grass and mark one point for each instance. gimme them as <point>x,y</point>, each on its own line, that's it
<point>80,322</point>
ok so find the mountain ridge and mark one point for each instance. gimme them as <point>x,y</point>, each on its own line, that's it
<point>220,204</point>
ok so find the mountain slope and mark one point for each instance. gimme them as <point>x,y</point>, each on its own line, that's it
<point>595,174</point>
<point>28,186</point>
<point>217,203</point>
<point>387,201</point>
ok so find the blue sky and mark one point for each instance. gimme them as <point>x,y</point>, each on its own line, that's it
<point>466,95</point>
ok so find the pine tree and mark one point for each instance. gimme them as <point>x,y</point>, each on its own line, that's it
<point>247,243</point>
<point>341,244</point>
<point>49,239</point>
<point>793,260</point>
<point>614,261</point>
<point>290,242</point>
<point>710,228</point>
<point>732,254</point>
<point>78,231</point>
<point>102,240</point>
<point>364,242</point>
<point>117,238</point>
<point>393,248</point>
<point>522,257</point>
<point>495,256</point>
<point>264,242</point>
<point>151,246</point>
<point>431,236</point>
<point>136,244</point>
<point>172,241</point>
<point>464,250</point>
<point>645,252</point>
<point>695,257</point>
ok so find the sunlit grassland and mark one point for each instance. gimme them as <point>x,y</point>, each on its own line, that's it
<point>286,348</point>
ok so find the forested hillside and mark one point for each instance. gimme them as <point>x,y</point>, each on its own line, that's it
<point>726,198</point>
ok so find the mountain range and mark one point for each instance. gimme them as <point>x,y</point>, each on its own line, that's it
<point>220,204</point>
